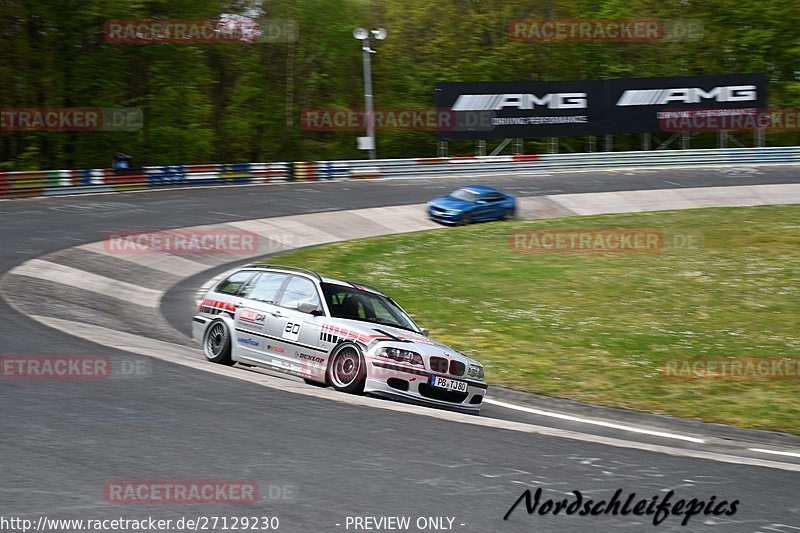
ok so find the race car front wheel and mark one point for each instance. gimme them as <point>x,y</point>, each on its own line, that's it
<point>347,370</point>
<point>217,343</point>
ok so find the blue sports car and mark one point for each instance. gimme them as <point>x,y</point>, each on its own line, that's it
<point>472,204</point>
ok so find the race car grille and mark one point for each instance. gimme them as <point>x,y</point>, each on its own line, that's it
<point>457,368</point>
<point>435,393</point>
<point>440,365</point>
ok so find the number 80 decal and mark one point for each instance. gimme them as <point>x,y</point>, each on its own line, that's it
<point>292,330</point>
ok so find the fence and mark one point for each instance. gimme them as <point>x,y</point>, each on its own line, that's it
<point>59,182</point>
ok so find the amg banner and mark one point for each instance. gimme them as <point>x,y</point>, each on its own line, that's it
<point>642,104</point>
<point>496,110</point>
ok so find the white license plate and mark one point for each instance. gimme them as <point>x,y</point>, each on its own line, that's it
<point>449,384</point>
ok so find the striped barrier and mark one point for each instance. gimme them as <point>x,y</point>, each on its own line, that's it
<point>61,178</point>
<point>332,170</point>
<point>304,171</point>
<point>96,176</point>
<point>24,184</point>
<point>269,172</point>
<point>203,174</point>
<point>236,174</point>
<point>58,182</point>
<point>165,176</point>
<point>129,179</point>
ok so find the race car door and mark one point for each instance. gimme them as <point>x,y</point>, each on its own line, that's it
<point>489,206</point>
<point>296,332</point>
<point>255,318</point>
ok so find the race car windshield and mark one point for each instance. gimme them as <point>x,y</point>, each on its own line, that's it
<point>366,306</point>
<point>464,194</point>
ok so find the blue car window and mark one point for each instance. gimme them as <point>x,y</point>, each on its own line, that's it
<point>464,194</point>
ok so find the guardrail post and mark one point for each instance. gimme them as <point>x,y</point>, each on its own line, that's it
<point>685,140</point>
<point>552,145</point>
<point>609,143</point>
<point>722,139</point>
<point>481,148</point>
<point>591,144</point>
<point>518,146</point>
<point>441,149</point>
<point>761,135</point>
<point>647,141</point>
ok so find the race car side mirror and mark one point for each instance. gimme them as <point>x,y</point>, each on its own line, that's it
<point>310,308</point>
<point>425,332</point>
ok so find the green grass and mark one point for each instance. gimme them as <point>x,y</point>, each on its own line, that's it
<point>595,327</point>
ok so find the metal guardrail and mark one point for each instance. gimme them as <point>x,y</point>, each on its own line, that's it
<point>59,182</point>
<point>575,161</point>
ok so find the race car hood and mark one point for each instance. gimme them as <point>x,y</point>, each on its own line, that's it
<point>402,338</point>
<point>450,203</point>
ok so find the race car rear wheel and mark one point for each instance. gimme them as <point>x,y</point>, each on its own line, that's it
<point>510,214</point>
<point>347,370</point>
<point>217,343</point>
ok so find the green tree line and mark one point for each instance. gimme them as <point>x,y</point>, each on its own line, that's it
<point>233,102</point>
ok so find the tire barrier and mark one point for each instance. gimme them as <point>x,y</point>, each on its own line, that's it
<point>305,171</point>
<point>333,170</point>
<point>236,174</point>
<point>28,184</point>
<point>129,179</point>
<point>268,172</point>
<point>57,182</point>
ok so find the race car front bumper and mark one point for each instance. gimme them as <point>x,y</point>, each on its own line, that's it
<point>399,382</point>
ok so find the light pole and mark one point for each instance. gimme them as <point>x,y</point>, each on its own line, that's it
<point>368,142</point>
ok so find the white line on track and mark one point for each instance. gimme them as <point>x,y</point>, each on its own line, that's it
<point>593,422</point>
<point>776,452</point>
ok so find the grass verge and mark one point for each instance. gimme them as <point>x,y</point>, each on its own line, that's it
<point>598,327</point>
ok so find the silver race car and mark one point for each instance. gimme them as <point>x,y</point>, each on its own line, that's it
<point>330,332</point>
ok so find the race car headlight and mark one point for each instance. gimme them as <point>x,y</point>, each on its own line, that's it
<point>403,356</point>
<point>475,371</point>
